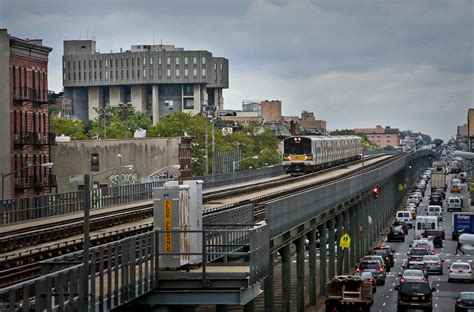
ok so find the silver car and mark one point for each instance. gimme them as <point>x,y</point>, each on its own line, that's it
<point>460,271</point>
<point>434,264</point>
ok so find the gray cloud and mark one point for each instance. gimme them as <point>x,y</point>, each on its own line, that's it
<point>356,63</point>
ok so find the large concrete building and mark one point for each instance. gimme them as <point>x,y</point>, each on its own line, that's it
<point>24,127</point>
<point>382,136</point>
<point>159,79</point>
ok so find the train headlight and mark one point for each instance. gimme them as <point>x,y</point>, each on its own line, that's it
<point>286,157</point>
<point>308,157</point>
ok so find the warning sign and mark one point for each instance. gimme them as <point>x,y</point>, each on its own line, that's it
<point>345,241</point>
<point>401,187</point>
<point>168,224</point>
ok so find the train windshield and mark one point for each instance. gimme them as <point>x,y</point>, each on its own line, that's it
<point>297,146</point>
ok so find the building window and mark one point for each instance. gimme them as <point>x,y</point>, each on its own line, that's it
<point>116,74</point>
<point>195,72</point>
<point>138,73</point>
<point>121,73</point>
<point>133,74</point>
<point>116,63</point>
<point>95,63</point>
<point>90,75</point>
<point>68,64</point>
<point>68,76</point>
<point>90,63</point>
<point>133,62</point>
<point>106,75</point>
<point>168,73</point>
<point>100,63</point>
<point>79,65</point>
<point>159,61</point>
<point>185,72</point>
<point>74,75</point>
<point>144,73</point>
<point>85,76</point>
<point>177,72</point>
<point>106,63</point>
<point>215,66</point>
<point>127,73</point>
<point>74,65</point>
<point>177,61</point>
<point>203,60</point>
<point>194,60</point>
<point>151,73</point>
<point>95,75</point>
<point>185,60</point>
<point>168,60</point>
<point>126,62</point>
<point>121,62</point>
<point>100,75</point>
<point>79,75</point>
<point>151,61</point>
<point>203,72</point>
<point>64,64</point>
<point>84,62</point>
<point>221,66</point>
<point>222,77</point>
<point>138,61</point>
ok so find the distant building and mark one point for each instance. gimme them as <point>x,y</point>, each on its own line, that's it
<point>381,136</point>
<point>24,129</point>
<point>160,79</point>
<point>462,132</point>
<point>251,106</point>
<point>308,122</point>
<point>470,126</point>
<point>271,110</point>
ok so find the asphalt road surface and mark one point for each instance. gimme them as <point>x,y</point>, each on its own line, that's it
<point>444,297</point>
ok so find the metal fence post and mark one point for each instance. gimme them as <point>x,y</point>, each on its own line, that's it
<point>87,205</point>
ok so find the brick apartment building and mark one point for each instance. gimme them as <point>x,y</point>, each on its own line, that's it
<point>24,130</point>
<point>381,136</point>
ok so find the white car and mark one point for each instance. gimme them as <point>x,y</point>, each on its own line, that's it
<point>426,243</point>
<point>460,271</point>
<point>434,210</point>
<point>413,199</point>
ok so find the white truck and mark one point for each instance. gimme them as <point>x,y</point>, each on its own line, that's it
<point>438,180</point>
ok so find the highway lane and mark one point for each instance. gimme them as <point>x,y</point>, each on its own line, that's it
<point>444,297</point>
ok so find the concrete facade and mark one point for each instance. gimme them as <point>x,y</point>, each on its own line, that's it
<point>24,128</point>
<point>271,110</point>
<point>381,136</point>
<point>186,80</point>
<point>146,155</point>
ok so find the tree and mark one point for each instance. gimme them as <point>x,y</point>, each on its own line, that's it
<point>437,142</point>
<point>366,143</point>
<point>68,127</point>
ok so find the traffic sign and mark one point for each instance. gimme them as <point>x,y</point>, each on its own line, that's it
<point>345,241</point>
<point>401,187</point>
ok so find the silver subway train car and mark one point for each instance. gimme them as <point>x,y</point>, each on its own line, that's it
<point>306,154</point>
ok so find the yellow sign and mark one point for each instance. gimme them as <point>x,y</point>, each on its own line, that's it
<point>471,187</point>
<point>167,206</point>
<point>400,187</point>
<point>345,241</point>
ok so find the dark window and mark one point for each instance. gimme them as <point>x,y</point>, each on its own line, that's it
<point>369,265</point>
<point>414,287</point>
<point>297,146</point>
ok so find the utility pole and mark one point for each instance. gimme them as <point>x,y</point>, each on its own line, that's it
<point>213,144</point>
<point>85,255</point>
<point>206,161</point>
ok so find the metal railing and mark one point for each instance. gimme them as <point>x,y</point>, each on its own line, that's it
<point>34,138</point>
<point>124,270</point>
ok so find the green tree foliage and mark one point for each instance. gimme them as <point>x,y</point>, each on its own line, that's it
<point>421,138</point>
<point>68,127</point>
<point>366,143</point>
<point>252,140</point>
<point>437,142</point>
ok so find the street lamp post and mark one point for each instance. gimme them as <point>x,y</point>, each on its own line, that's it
<point>235,162</point>
<point>88,181</point>
<point>48,165</point>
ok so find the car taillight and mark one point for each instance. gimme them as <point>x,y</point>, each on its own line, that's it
<point>458,301</point>
<point>402,280</point>
<point>450,271</point>
<point>378,269</point>
<point>430,297</point>
<point>358,269</point>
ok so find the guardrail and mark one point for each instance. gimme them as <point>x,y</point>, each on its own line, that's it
<point>24,209</point>
<point>285,214</point>
<point>124,270</point>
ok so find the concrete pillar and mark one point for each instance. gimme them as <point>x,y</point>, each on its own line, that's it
<point>286,277</point>
<point>347,229</point>
<point>331,246</point>
<point>155,106</point>
<point>116,95</point>
<point>300,251</point>
<point>139,97</point>
<point>339,233</point>
<point>354,228</point>
<point>365,228</point>
<point>312,267</point>
<point>95,100</point>
<point>216,98</point>
<point>197,97</point>
<point>322,258</point>
<point>269,286</point>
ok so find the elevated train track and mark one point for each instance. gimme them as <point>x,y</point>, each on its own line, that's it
<point>18,266</point>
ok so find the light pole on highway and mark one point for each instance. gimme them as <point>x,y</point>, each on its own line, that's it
<point>235,162</point>
<point>48,165</point>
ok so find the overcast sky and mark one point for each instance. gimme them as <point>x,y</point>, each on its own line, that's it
<point>407,64</point>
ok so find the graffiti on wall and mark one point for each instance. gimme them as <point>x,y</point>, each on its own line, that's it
<point>123,179</point>
<point>164,176</point>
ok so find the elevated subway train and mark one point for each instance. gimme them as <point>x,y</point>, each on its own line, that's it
<point>306,154</point>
